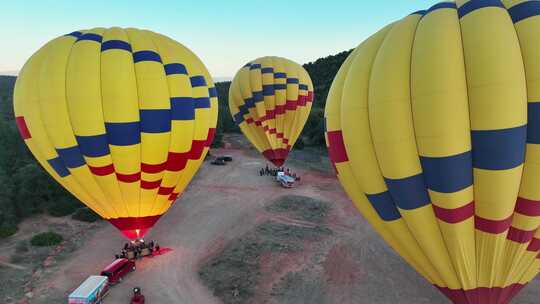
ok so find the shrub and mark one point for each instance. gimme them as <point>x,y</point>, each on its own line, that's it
<point>46,239</point>
<point>7,230</point>
<point>85,215</point>
<point>63,206</point>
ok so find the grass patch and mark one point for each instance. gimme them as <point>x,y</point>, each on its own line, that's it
<point>7,230</point>
<point>46,239</point>
<point>301,207</point>
<point>234,274</point>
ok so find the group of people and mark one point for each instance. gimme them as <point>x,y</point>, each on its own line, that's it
<point>274,172</point>
<point>138,249</point>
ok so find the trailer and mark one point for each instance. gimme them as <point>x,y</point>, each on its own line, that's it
<point>91,291</point>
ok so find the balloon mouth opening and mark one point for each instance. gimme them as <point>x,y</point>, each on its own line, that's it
<point>278,162</point>
<point>134,227</point>
<point>135,234</point>
<point>277,156</point>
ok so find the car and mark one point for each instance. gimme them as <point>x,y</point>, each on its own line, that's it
<point>285,180</point>
<point>118,269</point>
<point>218,162</point>
<point>226,158</point>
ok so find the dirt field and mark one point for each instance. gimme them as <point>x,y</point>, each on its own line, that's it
<point>235,238</point>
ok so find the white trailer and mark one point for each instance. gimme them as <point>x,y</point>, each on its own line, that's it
<point>91,291</point>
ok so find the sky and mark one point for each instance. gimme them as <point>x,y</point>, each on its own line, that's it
<point>224,34</point>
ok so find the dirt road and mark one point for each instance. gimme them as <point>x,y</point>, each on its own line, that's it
<point>225,202</point>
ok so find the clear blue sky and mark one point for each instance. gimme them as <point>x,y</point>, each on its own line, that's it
<point>224,34</point>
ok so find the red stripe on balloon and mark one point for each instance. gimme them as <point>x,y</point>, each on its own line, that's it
<point>152,168</point>
<point>23,128</point>
<point>502,295</point>
<point>534,245</point>
<point>165,190</point>
<point>492,226</point>
<point>455,215</point>
<point>336,147</point>
<point>173,196</point>
<point>520,236</point>
<point>310,96</point>
<point>291,105</point>
<point>102,171</point>
<point>176,161</point>
<point>150,184</point>
<point>527,207</point>
<point>128,178</point>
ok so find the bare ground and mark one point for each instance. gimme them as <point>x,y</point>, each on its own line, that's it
<point>226,208</point>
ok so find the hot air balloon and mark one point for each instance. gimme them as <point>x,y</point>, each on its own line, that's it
<point>122,118</point>
<point>270,99</point>
<point>433,125</point>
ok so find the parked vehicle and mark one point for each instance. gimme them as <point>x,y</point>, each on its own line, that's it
<point>118,269</point>
<point>285,180</point>
<point>226,158</point>
<point>218,162</point>
<point>91,291</point>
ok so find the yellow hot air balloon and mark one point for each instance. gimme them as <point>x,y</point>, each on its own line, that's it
<point>270,99</point>
<point>433,125</point>
<point>122,118</point>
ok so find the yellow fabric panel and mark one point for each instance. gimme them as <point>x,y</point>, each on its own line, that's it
<point>495,192</point>
<point>269,101</point>
<point>83,88</point>
<point>441,123</point>
<point>496,81</point>
<point>118,71</point>
<point>494,66</point>
<point>292,94</point>
<point>355,118</point>
<point>280,97</point>
<point>424,227</point>
<point>438,86</point>
<point>389,103</point>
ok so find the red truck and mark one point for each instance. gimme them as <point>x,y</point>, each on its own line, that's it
<point>118,269</point>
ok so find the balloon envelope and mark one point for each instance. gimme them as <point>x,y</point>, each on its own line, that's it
<point>433,125</point>
<point>270,99</point>
<point>122,118</point>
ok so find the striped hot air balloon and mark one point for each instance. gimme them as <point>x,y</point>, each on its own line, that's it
<point>270,99</point>
<point>433,125</point>
<point>122,118</point>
